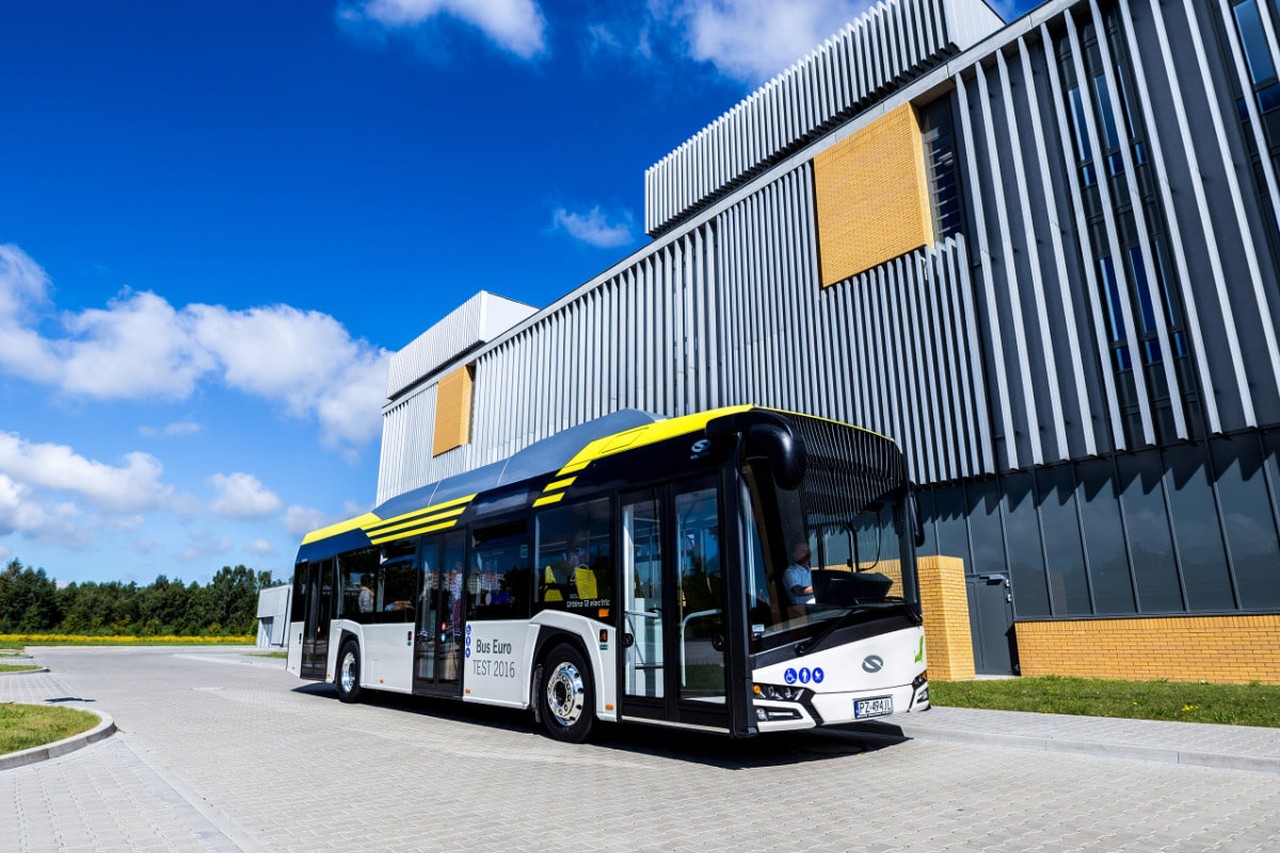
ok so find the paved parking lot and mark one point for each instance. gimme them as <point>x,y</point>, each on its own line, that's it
<point>221,752</point>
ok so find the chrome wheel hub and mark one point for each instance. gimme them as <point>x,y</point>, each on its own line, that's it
<point>347,673</point>
<point>566,695</point>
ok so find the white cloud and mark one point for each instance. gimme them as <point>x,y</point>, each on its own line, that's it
<point>176,429</point>
<point>24,290</point>
<point>516,26</point>
<point>5,553</point>
<point>130,487</point>
<point>594,227</point>
<point>24,511</point>
<point>138,347</point>
<point>141,347</point>
<point>262,548</point>
<point>752,40</point>
<point>204,545</point>
<point>304,359</point>
<point>242,495</point>
<point>301,520</point>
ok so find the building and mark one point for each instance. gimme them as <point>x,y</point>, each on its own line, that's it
<point>1042,255</point>
<point>273,616</point>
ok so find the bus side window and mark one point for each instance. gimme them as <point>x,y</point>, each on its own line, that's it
<point>574,565</point>
<point>358,582</point>
<point>499,576</point>
<point>397,583</point>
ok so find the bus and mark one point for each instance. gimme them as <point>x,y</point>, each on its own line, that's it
<point>742,570</point>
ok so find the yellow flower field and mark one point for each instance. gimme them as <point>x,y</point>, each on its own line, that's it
<point>87,640</point>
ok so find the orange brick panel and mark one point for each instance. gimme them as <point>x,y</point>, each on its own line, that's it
<point>872,196</point>
<point>1226,649</point>
<point>945,605</point>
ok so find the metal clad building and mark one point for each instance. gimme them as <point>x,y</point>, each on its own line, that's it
<point>1042,256</point>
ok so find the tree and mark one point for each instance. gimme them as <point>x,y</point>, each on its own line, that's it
<point>28,600</point>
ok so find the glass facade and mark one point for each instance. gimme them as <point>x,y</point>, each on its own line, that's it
<point>1189,528</point>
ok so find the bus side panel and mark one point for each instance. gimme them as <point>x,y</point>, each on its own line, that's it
<point>387,652</point>
<point>496,659</point>
<point>293,664</point>
<point>601,656</point>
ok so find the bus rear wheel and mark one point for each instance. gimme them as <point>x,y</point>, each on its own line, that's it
<point>348,678</point>
<point>566,696</point>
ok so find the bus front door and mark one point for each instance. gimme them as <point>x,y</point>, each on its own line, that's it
<point>318,591</point>
<point>674,637</point>
<point>437,666</point>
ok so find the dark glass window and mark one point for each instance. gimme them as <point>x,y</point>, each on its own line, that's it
<point>1250,525</point>
<point>358,580</point>
<point>949,522</point>
<point>499,577</point>
<point>986,534</point>
<point>1064,552</point>
<point>940,161</point>
<point>1026,562</point>
<point>1150,542</point>
<point>575,558</point>
<point>1196,530</point>
<point>1104,539</point>
<point>1256,55</point>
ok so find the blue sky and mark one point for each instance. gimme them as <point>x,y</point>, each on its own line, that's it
<point>218,220</point>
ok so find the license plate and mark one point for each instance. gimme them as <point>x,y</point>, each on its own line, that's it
<point>877,707</point>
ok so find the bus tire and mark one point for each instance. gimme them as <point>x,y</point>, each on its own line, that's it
<point>565,695</point>
<point>347,678</point>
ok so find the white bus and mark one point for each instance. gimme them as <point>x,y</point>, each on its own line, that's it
<point>741,570</point>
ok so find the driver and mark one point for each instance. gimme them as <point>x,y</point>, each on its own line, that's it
<point>797,577</point>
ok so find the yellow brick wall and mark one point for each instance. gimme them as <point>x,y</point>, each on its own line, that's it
<point>453,412</point>
<point>945,605</point>
<point>872,196</point>
<point>1229,649</point>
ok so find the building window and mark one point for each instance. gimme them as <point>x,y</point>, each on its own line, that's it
<point>940,165</point>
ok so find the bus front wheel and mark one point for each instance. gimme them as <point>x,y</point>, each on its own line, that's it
<point>566,696</point>
<point>348,677</point>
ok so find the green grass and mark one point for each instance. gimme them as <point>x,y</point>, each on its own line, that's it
<point>1233,704</point>
<point>25,726</point>
<point>280,655</point>
<point>17,667</point>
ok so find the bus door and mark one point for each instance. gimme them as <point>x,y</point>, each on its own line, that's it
<point>318,595</point>
<point>437,656</point>
<point>673,632</point>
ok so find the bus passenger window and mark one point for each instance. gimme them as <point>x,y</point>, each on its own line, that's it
<point>358,576</point>
<point>499,576</point>
<point>574,567</point>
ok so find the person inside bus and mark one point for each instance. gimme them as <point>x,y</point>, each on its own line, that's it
<point>797,577</point>
<point>366,594</point>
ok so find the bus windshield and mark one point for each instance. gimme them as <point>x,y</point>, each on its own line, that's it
<point>837,554</point>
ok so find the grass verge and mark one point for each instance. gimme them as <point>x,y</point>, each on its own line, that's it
<point>18,641</point>
<point>17,667</point>
<point>280,655</point>
<point>1232,704</point>
<point>25,726</point>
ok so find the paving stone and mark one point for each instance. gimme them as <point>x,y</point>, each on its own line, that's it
<point>216,754</point>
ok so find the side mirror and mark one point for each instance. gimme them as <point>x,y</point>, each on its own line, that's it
<point>913,516</point>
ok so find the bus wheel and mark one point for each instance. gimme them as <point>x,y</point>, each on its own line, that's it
<point>348,680</point>
<point>565,692</point>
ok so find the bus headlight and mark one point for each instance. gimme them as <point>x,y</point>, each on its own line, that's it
<point>784,693</point>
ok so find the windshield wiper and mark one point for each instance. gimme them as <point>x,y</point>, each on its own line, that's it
<point>810,645</point>
<point>803,648</point>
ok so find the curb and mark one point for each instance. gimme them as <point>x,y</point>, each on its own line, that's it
<point>1220,761</point>
<point>104,729</point>
<point>25,671</point>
